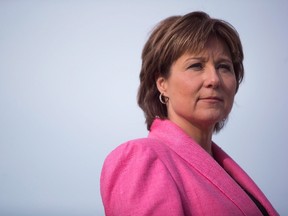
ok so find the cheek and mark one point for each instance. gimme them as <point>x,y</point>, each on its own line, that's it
<point>230,89</point>
<point>230,85</point>
<point>176,86</point>
<point>231,92</point>
<point>185,91</point>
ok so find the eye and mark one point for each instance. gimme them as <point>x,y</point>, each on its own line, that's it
<point>196,66</point>
<point>225,67</point>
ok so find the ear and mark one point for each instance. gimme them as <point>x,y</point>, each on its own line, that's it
<point>161,83</point>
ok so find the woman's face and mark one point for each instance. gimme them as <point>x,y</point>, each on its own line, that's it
<point>200,87</point>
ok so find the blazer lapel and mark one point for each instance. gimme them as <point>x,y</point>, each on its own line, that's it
<point>200,160</point>
<point>240,176</point>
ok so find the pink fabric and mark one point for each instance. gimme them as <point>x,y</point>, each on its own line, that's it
<point>169,174</point>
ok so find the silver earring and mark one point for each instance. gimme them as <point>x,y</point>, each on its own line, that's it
<point>161,97</point>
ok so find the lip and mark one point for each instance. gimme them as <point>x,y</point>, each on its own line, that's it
<point>211,99</point>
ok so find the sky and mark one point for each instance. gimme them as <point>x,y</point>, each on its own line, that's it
<point>68,84</point>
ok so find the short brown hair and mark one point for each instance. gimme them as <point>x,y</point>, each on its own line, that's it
<point>170,39</point>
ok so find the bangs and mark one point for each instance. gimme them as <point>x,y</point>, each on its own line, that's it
<point>191,37</point>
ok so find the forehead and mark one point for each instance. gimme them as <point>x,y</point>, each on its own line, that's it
<point>214,45</point>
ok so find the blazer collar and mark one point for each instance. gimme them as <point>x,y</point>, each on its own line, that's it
<point>239,175</point>
<point>221,170</point>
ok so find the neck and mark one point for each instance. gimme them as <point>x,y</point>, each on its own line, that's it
<point>204,139</point>
<point>202,135</point>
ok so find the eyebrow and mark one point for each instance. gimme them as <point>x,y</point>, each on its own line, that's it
<point>204,59</point>
<point>225,59</point>
<point>196,58</point>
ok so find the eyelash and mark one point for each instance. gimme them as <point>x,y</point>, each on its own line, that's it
<point>196,66</point>
<point>199,66</point>
<point>224,66</point>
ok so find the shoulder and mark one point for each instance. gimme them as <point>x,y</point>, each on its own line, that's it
<point>135,180</point>
<point>140,149</point>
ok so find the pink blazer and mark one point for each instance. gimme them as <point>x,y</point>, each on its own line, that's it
<point>169,174</point>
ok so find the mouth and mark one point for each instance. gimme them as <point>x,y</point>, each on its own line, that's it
<point>211,99</point>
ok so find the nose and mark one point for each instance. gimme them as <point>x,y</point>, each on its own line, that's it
<point>212,78</point>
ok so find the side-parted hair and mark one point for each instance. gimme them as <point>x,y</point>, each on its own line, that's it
<point>170,39</point>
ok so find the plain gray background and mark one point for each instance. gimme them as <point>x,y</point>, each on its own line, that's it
<point>68,84</point>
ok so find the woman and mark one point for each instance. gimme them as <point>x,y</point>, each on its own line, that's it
<point>192,66</point>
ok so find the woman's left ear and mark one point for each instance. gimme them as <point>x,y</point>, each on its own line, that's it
<point>161,84</point>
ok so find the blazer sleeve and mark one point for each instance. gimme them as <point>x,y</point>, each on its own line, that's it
<point>134,181</point>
